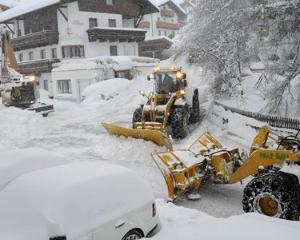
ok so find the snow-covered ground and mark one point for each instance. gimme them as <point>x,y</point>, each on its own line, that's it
<point>182,223</point>
<point>75,131</point>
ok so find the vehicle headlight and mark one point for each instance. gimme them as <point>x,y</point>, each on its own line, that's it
<point>32,78</point>
<point>179,75</point>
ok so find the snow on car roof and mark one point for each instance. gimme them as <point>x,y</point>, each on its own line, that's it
<point>55,197</point>
<point>18,162</point>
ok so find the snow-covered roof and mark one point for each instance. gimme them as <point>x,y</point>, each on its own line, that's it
<point>121,29</point>
<point>31,6</point>
<point>159,38</point>
<point>70,200</point>
<point>8,3</point>
<point>25,8</point>
<point>117,63</point>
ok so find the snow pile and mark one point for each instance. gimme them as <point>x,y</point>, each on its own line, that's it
<point>105,90</point>
<point>70,200</point>
<point>182,223</point>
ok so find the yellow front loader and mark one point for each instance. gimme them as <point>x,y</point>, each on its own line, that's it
<point>187,169</point>
<point>167,111</point>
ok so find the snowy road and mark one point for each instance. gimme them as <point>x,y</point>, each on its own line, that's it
<point>75,131</point>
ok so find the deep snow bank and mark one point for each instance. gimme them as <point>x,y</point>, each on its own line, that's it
<point>182,223</point>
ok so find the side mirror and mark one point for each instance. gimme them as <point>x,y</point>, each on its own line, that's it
<point>185,83</point>
<point>184,76</point>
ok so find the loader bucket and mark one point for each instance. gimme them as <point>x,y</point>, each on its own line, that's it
<point>154,136</point>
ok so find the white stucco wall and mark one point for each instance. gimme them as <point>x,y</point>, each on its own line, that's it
<point>74,32</point>
<point>79,80</point>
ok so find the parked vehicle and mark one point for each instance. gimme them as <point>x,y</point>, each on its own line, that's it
<point>85,200</point>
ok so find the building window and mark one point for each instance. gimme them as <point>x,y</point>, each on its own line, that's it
<point>28,30</point>
<point>20,57</point>
<point>31,56</point>
<point>109,2</point>
<point>19,32</point>
<point>54,53</point>
<point>43,54</point>
<point>73,52</point>
<point>159,32</point>
<point>93,22</point>
<point>113,50</point>
<point>64,86</point>
<point>112,23</point>
<point>46,85</point>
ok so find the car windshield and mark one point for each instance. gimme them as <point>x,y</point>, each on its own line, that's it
<point>165,83</point>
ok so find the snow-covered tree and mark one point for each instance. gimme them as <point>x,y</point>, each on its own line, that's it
<point>280,52</point>
<point>217,38</point>
<point>224,36</point>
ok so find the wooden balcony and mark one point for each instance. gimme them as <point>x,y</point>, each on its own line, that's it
<point>34,40</point>
<point>116,34</point>
<point>37,67</point>
<point>167,13</point>
<point>170,26</point>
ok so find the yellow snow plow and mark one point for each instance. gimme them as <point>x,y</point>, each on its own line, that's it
<point>186,170</point>
<point>166,112</point>
<point>155,136</point>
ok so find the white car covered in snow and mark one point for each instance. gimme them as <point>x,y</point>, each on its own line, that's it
<point>74,201</point>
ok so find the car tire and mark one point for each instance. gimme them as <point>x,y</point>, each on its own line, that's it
<point>133,235</point>
<point>275,194</point>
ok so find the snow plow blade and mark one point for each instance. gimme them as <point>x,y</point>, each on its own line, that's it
<point>154,136</point>
<point>42,108</point>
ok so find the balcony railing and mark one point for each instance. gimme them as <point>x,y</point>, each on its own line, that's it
<point>37,67</point>
<point>165,25</point>
<point>33,40</point>
<point>116,34</point>
<point>167,13</point>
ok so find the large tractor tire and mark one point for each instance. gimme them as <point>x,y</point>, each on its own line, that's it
<point>179,122</point>
<point>137,115</point>
<point>195,109</point>
<point>275,194</point>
